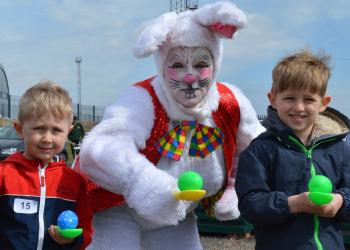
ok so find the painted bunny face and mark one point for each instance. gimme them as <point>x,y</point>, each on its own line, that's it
<point>188,73</point>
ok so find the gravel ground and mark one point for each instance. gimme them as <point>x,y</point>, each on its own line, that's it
<point>224,242</point>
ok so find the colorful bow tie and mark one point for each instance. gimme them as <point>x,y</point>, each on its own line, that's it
<point>204,140</point>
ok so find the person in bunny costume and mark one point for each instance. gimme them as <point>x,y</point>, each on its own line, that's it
<point>180,120</point>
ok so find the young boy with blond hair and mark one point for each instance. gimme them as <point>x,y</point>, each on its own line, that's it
<point>34,189</point>
<point>304,139</point>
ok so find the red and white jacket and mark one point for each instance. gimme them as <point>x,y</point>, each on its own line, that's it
<point>31,198</point>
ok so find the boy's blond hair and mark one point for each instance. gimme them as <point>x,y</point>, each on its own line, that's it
<point>302,70</point>
<point>44,97</point>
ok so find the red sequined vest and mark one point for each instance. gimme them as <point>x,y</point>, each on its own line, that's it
<point>226,118</point>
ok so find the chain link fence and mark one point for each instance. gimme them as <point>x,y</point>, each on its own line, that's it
<point>9,109</point>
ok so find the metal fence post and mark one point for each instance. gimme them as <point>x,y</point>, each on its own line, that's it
<point>9,106</point>
<point>78,111</point>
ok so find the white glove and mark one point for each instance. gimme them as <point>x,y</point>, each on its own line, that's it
<point>227,207</point>
<point>151,194</point>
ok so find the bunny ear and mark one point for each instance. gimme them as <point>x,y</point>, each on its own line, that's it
<point>225,30</point>
<point>222,18</point>
<point>190,28</point>
<point>154,35</point>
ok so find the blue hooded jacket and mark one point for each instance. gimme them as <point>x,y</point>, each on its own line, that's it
<point>276,165</point>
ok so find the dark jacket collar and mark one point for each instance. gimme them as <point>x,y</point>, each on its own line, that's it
<point>274,124</point>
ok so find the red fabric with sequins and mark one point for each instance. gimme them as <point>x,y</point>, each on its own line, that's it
<point>226,118</point>
<point>160,126</point>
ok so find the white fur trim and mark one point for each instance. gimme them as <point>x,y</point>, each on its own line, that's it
<point>109,153</point>
<point>227,207</point>
<point>154,35</point>
<point>249,125</point>
<point>222,12</point>
<point>151,195</point>
<point>125,115</point>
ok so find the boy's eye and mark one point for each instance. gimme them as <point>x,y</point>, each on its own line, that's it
<point>38,128</point>
<point>309,99</point>
<point>57,130</point>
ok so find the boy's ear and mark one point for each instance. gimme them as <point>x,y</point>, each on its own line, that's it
<point>325,101</point>
<point>71,128</point>
<point>18,127</point>
<point>272,97</point>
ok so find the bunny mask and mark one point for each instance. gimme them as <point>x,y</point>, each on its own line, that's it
<point>203,27</point>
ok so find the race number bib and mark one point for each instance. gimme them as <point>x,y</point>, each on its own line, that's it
<point>24,206</point>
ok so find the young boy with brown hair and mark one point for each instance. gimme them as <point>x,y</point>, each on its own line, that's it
<point>34,189</point>
<point>304,139</point>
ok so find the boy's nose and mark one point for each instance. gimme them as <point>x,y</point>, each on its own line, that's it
<point>46,137</point>
<point>299,106</point>
<point>189,79</point>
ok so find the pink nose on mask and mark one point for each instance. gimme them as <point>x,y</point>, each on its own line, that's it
<point>189,79</point>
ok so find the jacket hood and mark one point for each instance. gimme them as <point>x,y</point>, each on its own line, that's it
<point>331,122</point>
<point>20,160</point>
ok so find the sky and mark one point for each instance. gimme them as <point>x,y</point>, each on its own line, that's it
<point>40,39</point>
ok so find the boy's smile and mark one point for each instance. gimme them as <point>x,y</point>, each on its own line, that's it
<point>298,109</point>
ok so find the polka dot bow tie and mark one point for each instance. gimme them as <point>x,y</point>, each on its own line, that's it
<point>204,140</point>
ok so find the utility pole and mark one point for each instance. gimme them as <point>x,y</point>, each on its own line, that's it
<point>78,62</point>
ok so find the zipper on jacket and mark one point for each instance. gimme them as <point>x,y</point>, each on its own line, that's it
<point>308,153</point>
<point>41,207</point>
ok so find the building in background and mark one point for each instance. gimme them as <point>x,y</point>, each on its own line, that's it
<point>5,107</point>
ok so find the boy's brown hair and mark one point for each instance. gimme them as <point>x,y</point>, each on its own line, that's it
<point>302,70</point>
<point>46,96</point>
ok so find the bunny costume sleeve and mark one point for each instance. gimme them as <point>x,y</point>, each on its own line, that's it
<point>110,156</point>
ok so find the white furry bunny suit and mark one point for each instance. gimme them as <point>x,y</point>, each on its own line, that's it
<point>149,217</point>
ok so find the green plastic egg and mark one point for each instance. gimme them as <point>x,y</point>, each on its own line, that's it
<point>190,181</point>
<point>320,188</point>
<point>320,183</point>
<point>320,198</point>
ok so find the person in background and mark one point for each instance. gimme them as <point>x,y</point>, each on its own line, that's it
<point>304,140</point>
<point>76,135</point>
<point>34,190</point>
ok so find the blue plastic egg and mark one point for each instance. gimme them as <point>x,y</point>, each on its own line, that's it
<point>67,220</point>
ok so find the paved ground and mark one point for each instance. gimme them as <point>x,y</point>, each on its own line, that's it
<point>223,242</point>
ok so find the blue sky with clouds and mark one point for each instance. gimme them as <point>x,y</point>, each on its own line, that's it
<point>40,39</point>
